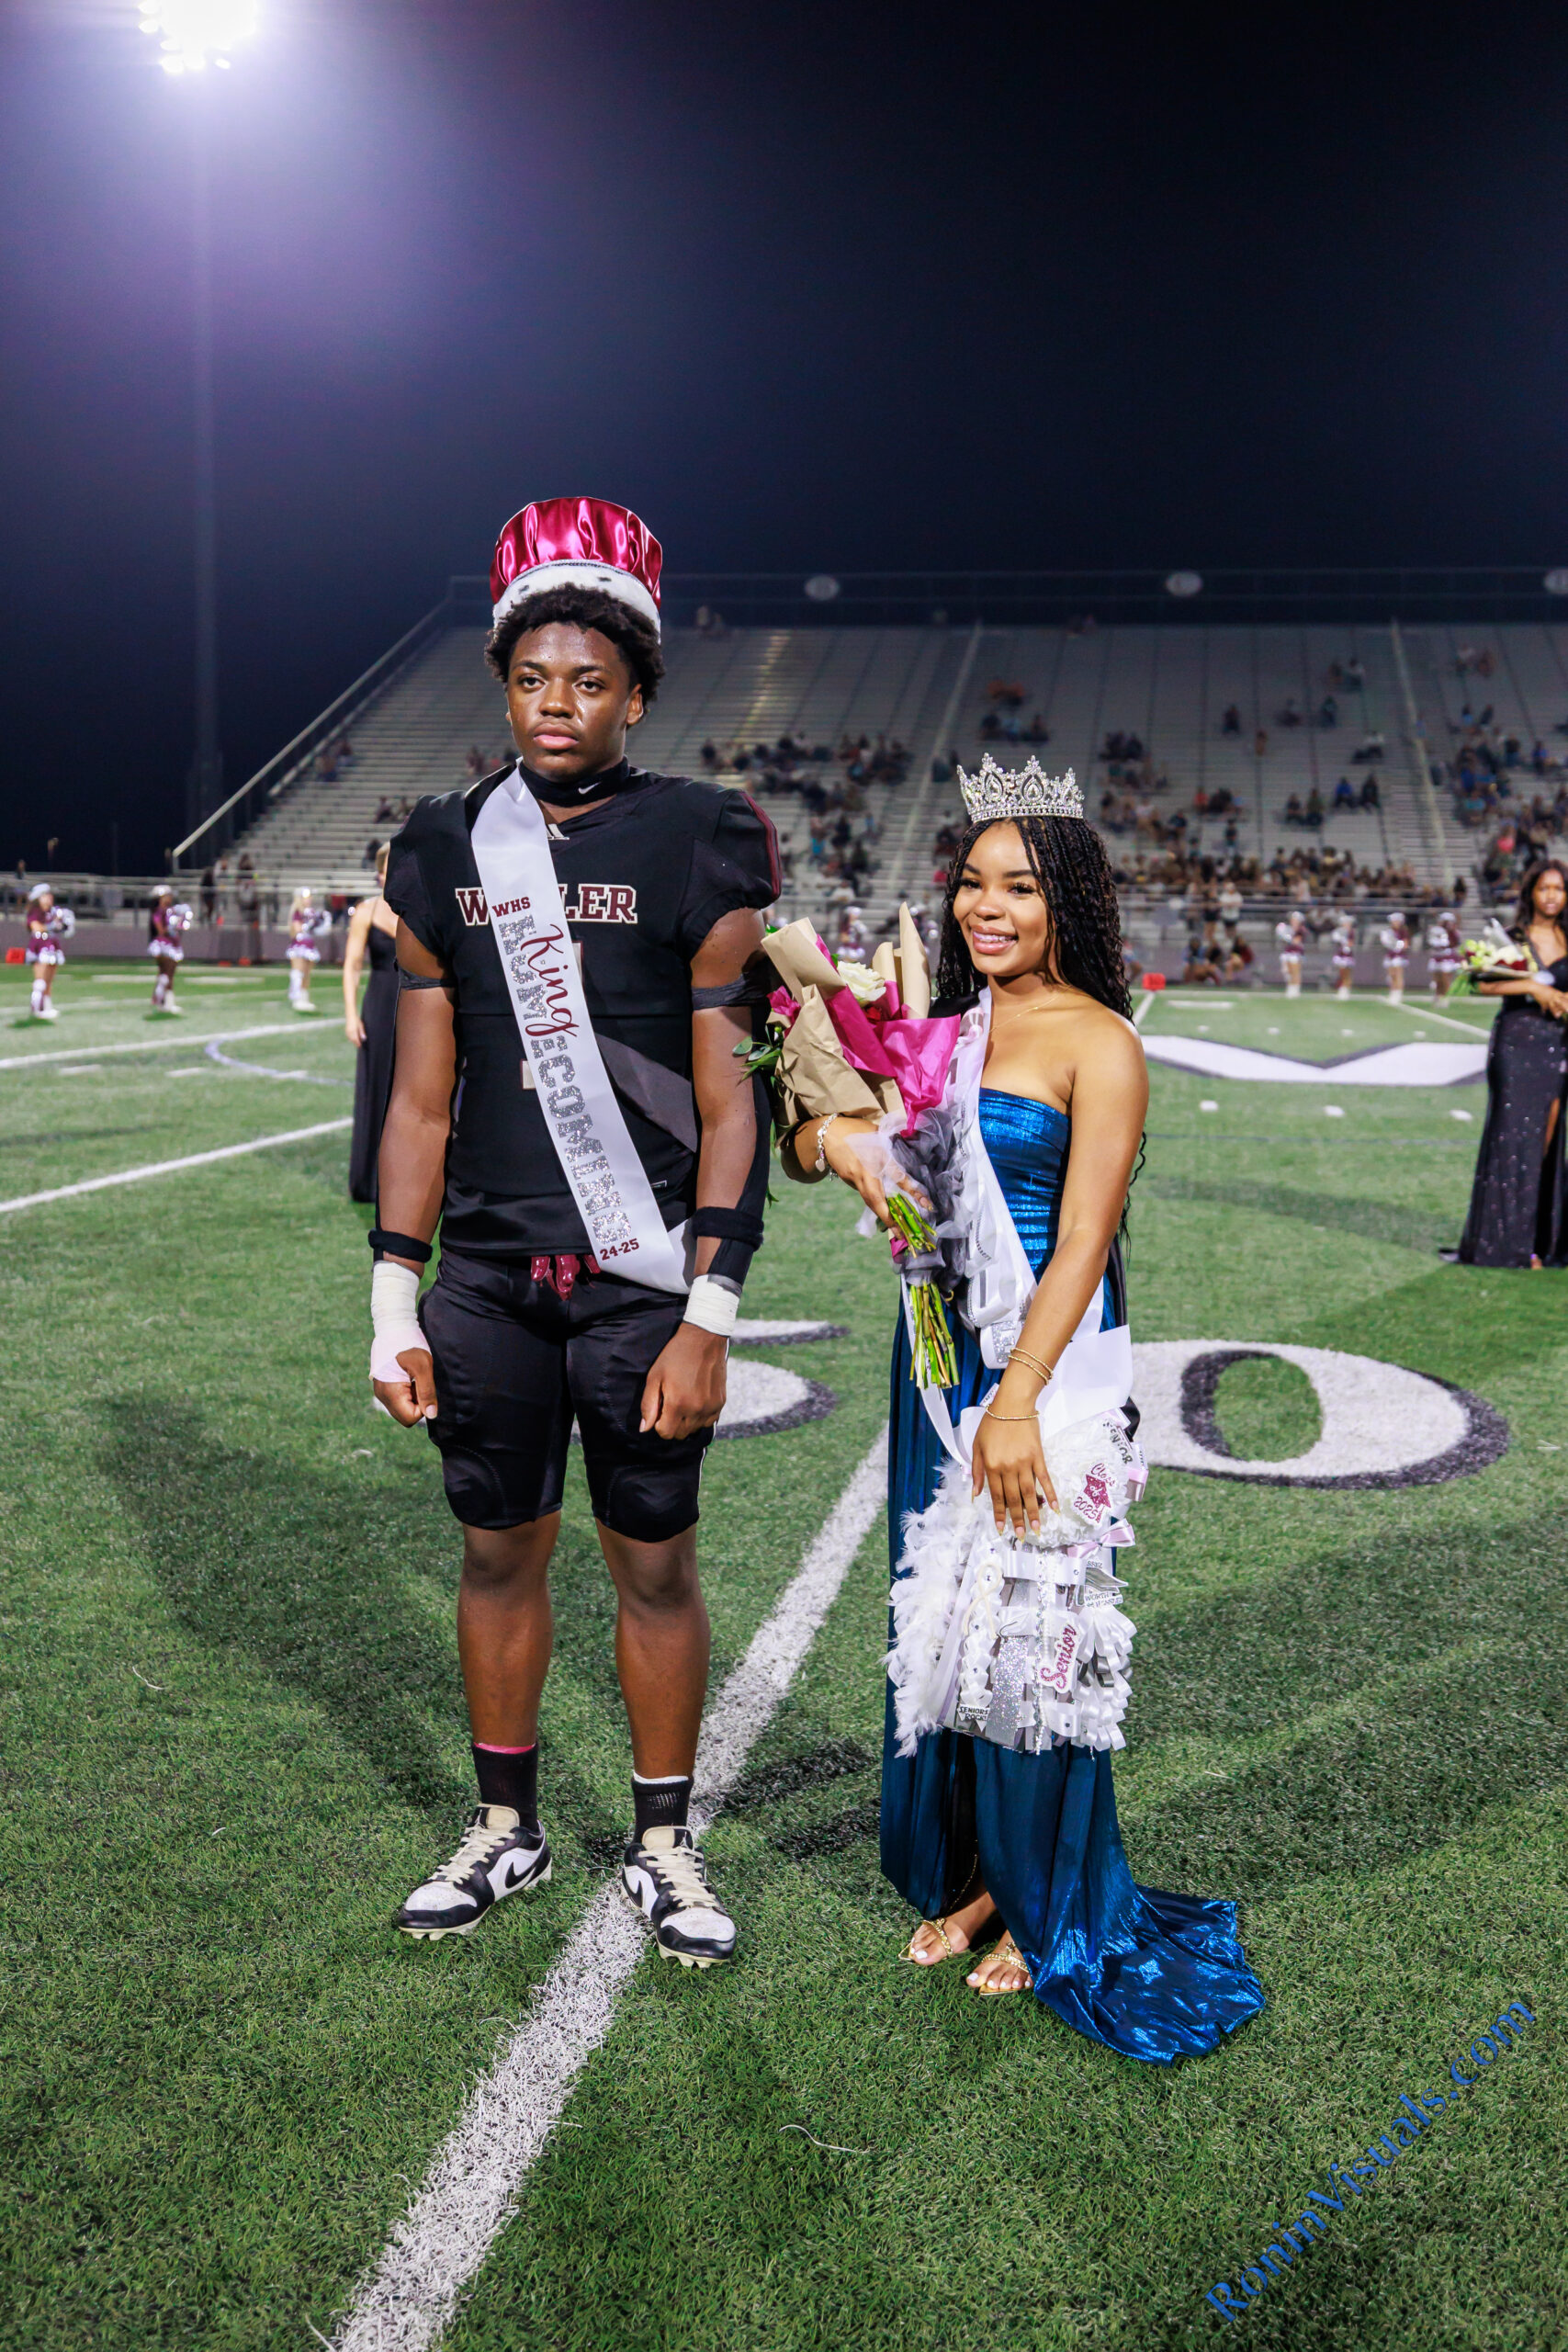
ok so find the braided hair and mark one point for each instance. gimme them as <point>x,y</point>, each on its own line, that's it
<point>1067,860</point>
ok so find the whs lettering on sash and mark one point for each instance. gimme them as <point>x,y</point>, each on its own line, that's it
<point>593,902</point>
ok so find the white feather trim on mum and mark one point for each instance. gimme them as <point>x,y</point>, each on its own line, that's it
<point>1055,1665</point>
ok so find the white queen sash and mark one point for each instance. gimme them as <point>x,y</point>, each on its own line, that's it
<point>1094,1371</point>
<point>626,1231</point>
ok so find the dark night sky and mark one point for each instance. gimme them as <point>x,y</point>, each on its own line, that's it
<point>809,287</point>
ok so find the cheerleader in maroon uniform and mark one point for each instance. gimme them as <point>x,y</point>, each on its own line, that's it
<point>1444,942</point>
<point>1395,937</point>
<point>47,926</point>
<point>168,921</point>
<point>307,921</point>
<point>1294,940</point>
<point>1342,953</point>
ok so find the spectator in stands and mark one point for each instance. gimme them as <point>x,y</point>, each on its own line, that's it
<point>1260,743</point>
<point>1344,794</point>
<point>1314,816</point>
<point>1371,798</point>
<point>1294,812</point>
<point>1370,748</point>
<point>1005,692</point>
<point>1231,723</point>
<point>1199,970</point>
<point>372,852</point>
<point>208,888</point>
<point>709,622</point>
<point>1328,712</point>
<point>1289,712</point>
<point>247,911</point>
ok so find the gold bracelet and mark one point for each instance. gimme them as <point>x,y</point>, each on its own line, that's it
<point>1021,1355</point>
<point>1008,1417</point>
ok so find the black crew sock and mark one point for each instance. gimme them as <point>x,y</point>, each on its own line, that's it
<point>509,1776</point>
<point>661,1804</point>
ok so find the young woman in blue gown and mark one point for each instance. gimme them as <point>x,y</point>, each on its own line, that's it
<point>993,1847</point>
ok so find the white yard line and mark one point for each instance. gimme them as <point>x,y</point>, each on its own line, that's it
<point>1481,1030</point>
<point>148,1044</point>
<point>169,1167</point>
<point>1145,1006</point>
<point>476,2175</point>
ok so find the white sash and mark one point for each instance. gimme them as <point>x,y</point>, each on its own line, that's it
<point>626,1231</point>
<point>1094,1371</point>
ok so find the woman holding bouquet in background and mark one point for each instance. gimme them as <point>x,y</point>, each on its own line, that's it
<point>1518,1206</point>
<point>1013,1843</point>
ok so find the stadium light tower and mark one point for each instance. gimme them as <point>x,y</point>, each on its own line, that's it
<point>193,35</point>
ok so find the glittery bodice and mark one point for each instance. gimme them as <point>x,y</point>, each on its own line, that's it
<point>1027,1143</point>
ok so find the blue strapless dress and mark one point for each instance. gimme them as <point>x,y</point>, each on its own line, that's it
<point>1156,1976</point>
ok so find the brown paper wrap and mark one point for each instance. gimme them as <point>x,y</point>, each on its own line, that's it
<point>814,1078</point>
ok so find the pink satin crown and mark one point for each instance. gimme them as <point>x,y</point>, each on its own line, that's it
<point>557,531</point>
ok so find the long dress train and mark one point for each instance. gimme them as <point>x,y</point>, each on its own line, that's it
<point>1154,1976</point>
<point>373,1065</point>
<point>1519,1204</point>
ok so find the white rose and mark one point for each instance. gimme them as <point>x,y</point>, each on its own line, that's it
<point>866,986</point>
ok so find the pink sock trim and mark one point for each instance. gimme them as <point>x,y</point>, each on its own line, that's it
<point>488,1748</point>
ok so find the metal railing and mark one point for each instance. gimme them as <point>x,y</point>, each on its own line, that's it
<point>218,829</point>
<point>1005,599</point>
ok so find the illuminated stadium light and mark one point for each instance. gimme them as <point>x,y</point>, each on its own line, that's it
<point>1184,583</point>
<point>192,34</point>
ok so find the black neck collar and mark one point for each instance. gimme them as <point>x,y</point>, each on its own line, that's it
<point>583,788</point>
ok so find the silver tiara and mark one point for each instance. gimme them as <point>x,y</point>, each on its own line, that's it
<point>1019,792</point>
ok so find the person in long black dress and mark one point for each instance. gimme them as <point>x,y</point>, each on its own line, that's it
<point>370,1026</point>
<point>1519,1207</point>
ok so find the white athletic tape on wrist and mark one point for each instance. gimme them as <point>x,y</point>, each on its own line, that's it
<point>394,1298</point>
<point>711,1306</point>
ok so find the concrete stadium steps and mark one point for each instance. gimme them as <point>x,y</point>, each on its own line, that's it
<point>750,686</point>
<point>1170,685</point>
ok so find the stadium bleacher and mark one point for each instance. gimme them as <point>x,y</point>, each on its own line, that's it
<point>933,691</point>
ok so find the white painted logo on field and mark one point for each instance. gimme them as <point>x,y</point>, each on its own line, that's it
<point>762,1398</point>
<point>1383,1425</point>
<point>1412,1065</point>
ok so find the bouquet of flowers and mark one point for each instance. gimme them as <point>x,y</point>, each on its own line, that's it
<point>860,1039</point>
<point>1494,957</point>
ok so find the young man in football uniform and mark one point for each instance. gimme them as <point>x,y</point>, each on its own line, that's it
<point>579,949</point>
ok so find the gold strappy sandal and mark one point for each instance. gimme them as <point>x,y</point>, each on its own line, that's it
<point>947,1951</point>
<point>1007,1953</point>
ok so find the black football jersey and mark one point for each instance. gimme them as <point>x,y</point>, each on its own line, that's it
<point>643,878</point>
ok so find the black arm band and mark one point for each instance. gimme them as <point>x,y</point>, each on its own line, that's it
<point>738,1231</point>
<point>729,1224</point>
<point>418,980</point>
<point>398,1245</point>
<point>740,992</point>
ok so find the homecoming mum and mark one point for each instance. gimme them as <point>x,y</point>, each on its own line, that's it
<point>575,939</point>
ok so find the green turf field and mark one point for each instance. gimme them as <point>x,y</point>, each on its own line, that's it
<point>233,1737</point>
